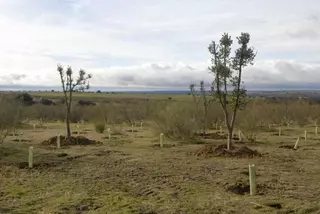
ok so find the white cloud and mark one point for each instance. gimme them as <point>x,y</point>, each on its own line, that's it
<point>154,43</point>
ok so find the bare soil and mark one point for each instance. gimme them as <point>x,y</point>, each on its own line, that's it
<point>71,141</point>
<point>222,151</point>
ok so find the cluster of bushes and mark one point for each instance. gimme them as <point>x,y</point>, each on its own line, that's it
<point>9,114</point>
<point>176,119</point>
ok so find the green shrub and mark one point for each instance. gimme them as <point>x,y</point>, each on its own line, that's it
<point>100,126</point>
<point>177,121</point>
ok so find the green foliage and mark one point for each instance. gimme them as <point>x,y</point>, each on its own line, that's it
<point>100,126</point>
<point>228,70</point>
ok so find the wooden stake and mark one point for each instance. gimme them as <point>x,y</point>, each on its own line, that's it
<point>296,144</point>
<point>252,179</point>
<point>305,135</point>
<point>316,130</point>
<point>220,129</point>
<point>34,127</point>
<point>109,133</point>
<point>161,140</point>
<point>141,124</point>
<point>132,128</point>
<point>279,131</point>
<point>58,142</point>
<point>30,161</point>
<point>239,135</point>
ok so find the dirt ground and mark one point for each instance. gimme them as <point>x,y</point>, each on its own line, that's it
<point>128,174</point>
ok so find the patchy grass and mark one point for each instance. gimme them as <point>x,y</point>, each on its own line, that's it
<point>130,173</point>
<point>136,177</point>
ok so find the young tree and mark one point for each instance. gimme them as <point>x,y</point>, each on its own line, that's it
<point>205,102</point>
<point>70,85</point>
<point>228,72</point>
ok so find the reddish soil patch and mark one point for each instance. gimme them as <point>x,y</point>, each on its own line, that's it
<point>221,151</point>
<point>69,141</point>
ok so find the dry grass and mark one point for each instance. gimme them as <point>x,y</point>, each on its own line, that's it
<point>129,173</point>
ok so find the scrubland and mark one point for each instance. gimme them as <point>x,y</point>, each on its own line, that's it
<point>130,173</point>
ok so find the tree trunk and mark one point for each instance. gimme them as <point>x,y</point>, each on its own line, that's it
<point>68,121</point>
<point>229,142</point>
<point>205,122</point>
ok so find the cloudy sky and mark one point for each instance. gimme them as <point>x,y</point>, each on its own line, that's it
<point>152,43</point>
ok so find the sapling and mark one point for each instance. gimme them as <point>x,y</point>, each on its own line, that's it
<point>201,99</point>
<point>71,85</point>
<point>227,73</point>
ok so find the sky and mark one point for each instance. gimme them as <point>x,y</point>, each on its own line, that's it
<point>156,44</point>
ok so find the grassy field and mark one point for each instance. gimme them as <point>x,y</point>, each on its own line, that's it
<point>99,96</point>
<point>130,173</point>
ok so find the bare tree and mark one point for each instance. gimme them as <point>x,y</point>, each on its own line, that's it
<point>70,85</point>
<point>203,95</point>
<point>228,72</point>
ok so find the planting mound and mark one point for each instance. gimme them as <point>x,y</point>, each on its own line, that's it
<point>239,188</point>
<point>69,141</point>
<point>221,151</point>
<point>214,136</point>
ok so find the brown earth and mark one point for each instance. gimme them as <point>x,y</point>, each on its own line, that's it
<point>221,151</point>
<point>69,141</point>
